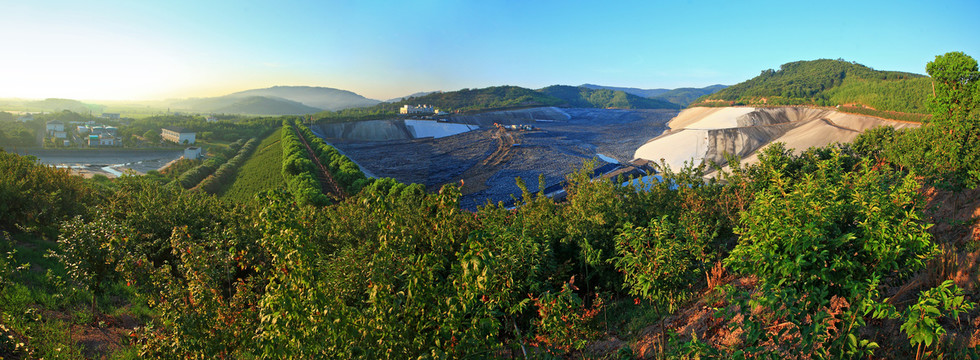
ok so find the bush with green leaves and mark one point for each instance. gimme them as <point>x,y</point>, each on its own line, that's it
<point>564,320</point>
<point>84,248</point>
<point>922,318</point>
<point>659,262</point>
<point>35,196</point>
<point>830,229</point>
<point>819,241</point>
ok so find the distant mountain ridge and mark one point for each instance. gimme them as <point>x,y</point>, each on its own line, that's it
<point>277,100</point>
<point>418,94</point>
<point>248,105</point>
<point>647,93</point>
<point>680,96</point>
<point>481,99</point>
<point>314,96</point>
<point>604,98</point>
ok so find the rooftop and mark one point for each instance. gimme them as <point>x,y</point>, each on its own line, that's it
<point>177,129</point>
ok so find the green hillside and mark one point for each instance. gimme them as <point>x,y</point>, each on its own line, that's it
<point>604,98</point>
<point>827,83</point>
<point>495,97</point>
<point>909,95</point>
<point>502,97</point>
<point>483,99</point>
<point>684,96</point>
<point>262,171</point>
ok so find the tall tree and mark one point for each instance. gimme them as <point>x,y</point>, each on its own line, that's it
<point>955,80</point>
<point>956,135</point>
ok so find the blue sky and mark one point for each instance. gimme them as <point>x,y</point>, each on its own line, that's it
<point>101,49</point>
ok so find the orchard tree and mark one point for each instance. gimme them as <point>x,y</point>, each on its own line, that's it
<point>955,139</point>
<point>955,79</point>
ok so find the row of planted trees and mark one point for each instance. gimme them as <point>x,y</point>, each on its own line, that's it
<point>301,173</point>
<point>192,177</point>
<point>298,170</point>
<point>225,173</point>
<point>347,174</point>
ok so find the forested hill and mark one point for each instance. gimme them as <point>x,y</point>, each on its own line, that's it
<point>828,83</point>
<point>502,97</point>
<point>680,96</point>
<point>481,99</point>
<point>604,98</point>
<point>684,96</point>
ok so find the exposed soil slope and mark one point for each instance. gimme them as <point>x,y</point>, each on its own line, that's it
<point>709,134</point>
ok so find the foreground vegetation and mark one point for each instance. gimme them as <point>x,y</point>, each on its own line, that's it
<point>796,258</point>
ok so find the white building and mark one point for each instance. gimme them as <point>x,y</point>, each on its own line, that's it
<point>211,119</point>
<point>107,140</point>
<point>55,126</point>
<point>192,153</point>
<point>60,134</point>
<point>418,109</point>
<point>177,134</point>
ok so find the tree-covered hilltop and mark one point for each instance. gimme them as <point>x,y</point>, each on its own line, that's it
<point>604,98</point>
<point>482,99</point>
<point>827,83</point>
<point>684,96</point>
<point>490,98</point>
<point>503,97</point>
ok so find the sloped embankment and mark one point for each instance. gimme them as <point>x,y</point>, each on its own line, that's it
<point>708,134</point>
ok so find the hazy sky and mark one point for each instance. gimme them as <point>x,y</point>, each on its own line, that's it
<point>139,49</point>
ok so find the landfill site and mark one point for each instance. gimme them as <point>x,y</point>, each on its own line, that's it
<point>486,152</point>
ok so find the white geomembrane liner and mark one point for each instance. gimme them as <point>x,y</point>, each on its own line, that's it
<point>676,148</point>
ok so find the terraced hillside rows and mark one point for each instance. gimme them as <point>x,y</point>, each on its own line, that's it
<point>316,173</point>
<point>225,174</point>
<point>261,172</point>
<point>191,178</point>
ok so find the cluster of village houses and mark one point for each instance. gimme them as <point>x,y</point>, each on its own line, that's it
<point>90,133</point>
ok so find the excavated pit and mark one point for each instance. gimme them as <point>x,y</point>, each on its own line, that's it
<point>487,159</point>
